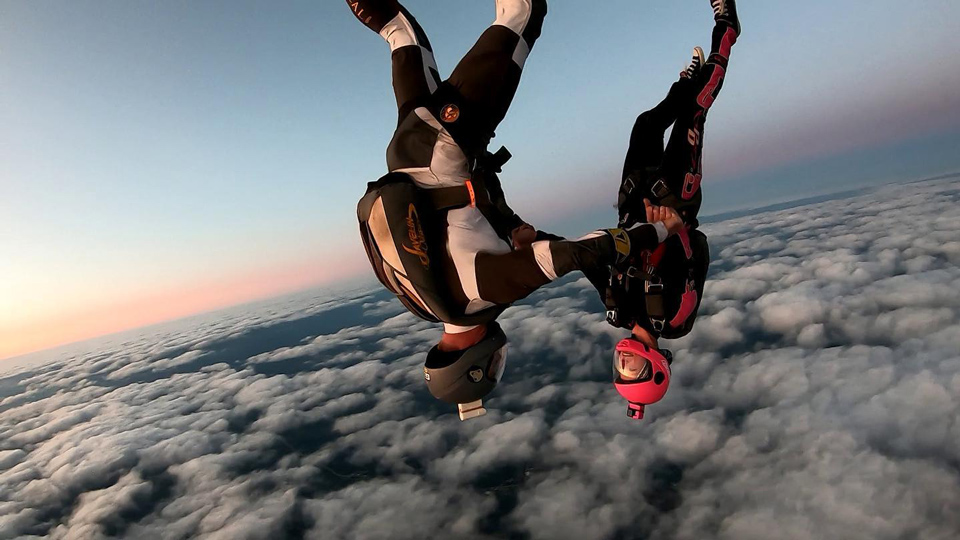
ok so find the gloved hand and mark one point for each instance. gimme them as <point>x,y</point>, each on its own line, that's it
<point>523,236</point>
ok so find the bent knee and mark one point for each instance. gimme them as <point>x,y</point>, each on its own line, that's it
<point>645,122</point>
<point>519,15</point>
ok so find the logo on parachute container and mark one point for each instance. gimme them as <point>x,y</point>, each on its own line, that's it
<point>622,241</point>
<point>450,113</point>
<point>417,239</point>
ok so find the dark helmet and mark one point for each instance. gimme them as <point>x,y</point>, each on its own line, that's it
<point>467,376</point>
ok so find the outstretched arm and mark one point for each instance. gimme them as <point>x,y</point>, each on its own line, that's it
<point>512,227</point>
<point>503,219</point>
<point>508,277</point>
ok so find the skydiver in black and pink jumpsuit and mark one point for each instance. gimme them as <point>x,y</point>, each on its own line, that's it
<point>658,293</point>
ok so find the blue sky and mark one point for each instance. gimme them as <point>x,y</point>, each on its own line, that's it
<point>160,158</point>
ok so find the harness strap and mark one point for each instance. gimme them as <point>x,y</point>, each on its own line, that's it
<point>657,190</point>
<point>666,197</point>
<point>449,198</point>
<point>627,187</point>
<point>652,288</point>
<point>494,162</point>
<point>653,295</point>
<point>610,300</point>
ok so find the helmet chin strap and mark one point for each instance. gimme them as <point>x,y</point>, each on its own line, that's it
<point>635,411</point>
<point>470,410</point>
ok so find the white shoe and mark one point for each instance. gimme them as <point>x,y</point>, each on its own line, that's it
<point>695,64</point>
<point>718,7</point>
<point>726,11</point>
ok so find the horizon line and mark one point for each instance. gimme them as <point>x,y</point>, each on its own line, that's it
<point>347,281</point>
<point>333,285</point>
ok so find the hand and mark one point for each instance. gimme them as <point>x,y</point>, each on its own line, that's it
<point>663,214</point>
<point>523,236</point>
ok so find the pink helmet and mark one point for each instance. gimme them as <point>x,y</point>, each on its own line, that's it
<point>641,374</point>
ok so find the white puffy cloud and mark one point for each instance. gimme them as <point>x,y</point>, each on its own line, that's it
<point>817,397</point>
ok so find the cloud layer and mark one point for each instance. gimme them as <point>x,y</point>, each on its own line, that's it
<point>817,397</point>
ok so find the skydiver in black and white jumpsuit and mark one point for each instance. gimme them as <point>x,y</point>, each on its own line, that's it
<point>494,257</point>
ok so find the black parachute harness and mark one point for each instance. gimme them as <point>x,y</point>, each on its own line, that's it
<point>621,285</point>
<point>411,218</point>
<point>485,184</point>
<point>637,186</point>
<point>488,163</point>
<point>647,183</point>
<point>474,191</point>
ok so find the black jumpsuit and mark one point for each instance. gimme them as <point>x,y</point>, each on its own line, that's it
<point>680,164</point>
<point>670,176</point>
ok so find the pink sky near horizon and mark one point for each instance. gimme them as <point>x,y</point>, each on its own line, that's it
<point>48,331</point>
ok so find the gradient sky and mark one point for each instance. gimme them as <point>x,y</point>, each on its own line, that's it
<point>164,158</point>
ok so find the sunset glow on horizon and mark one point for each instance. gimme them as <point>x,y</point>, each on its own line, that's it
<point>49,330</point>
<point>159,160</point>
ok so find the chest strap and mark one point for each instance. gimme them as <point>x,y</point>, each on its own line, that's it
<point>634,189</point>
<point>450,198</point>
<point>652,294</point>
<point>473,192</point>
